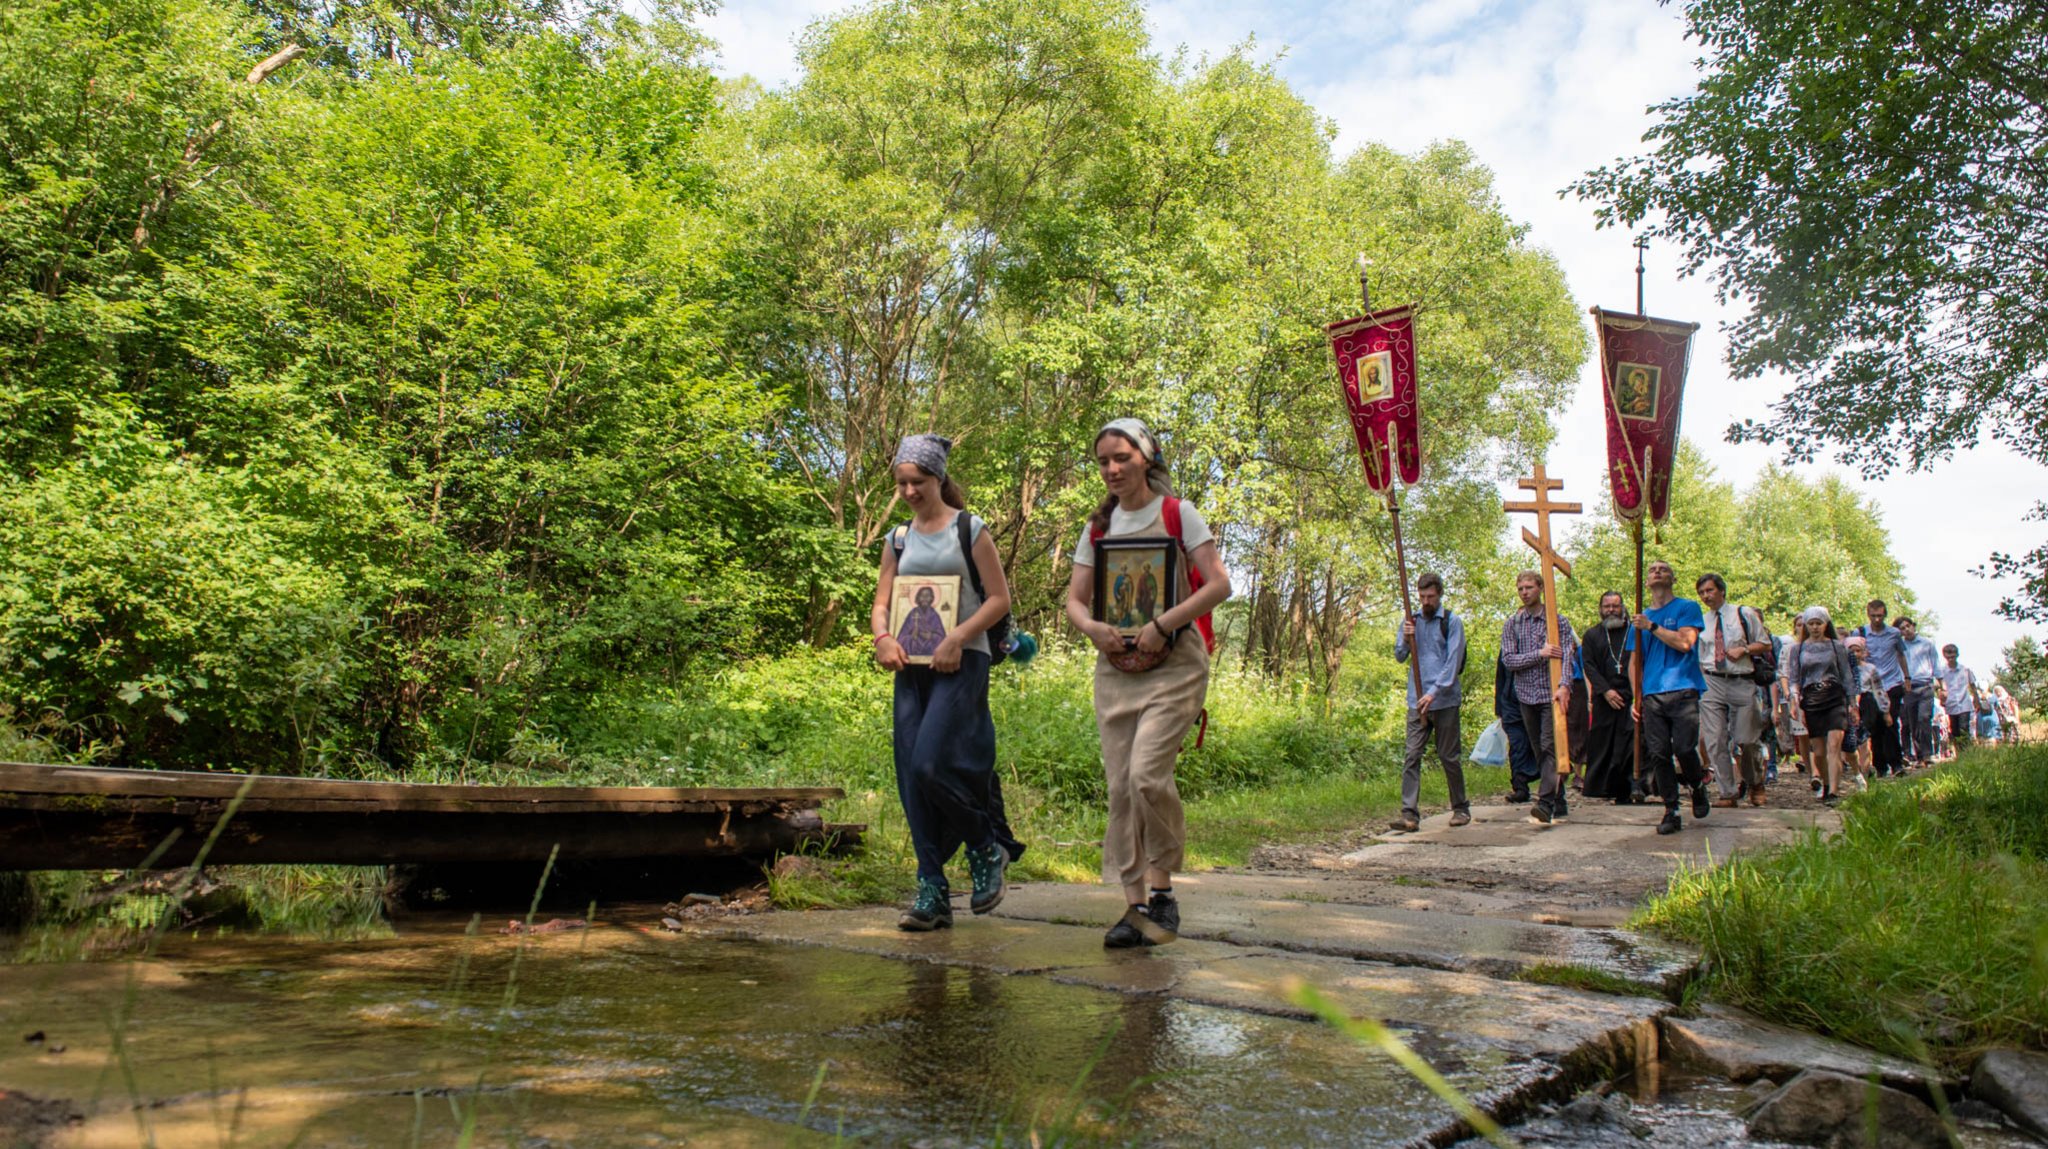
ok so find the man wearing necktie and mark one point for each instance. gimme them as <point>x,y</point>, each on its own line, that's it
<point>1730,722</point>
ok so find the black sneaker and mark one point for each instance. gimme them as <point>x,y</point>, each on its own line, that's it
<point>1539,814</point>
<point>1670,824</point>
<point>987,866</point>
<point>1136,928</point>
<point>1701,804</point>
<point>1165,911</point>
<point>1518,797</point>
<point>933,909</point>
<point>1559,812</point>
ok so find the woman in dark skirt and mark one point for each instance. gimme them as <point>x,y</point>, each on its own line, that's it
<point>1610,743</point>
<point>945,736</point>
<point>1823,681</point>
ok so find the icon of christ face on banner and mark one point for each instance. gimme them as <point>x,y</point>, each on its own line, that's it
<point>1375,376</point>
<point>1636,387</point>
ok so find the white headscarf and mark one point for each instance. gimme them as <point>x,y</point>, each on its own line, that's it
<point>1137,432</point>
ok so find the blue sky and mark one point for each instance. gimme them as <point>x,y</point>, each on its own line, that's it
<point>1543,90</point>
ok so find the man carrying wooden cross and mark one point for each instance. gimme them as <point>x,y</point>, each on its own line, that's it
<point>1526,649</point>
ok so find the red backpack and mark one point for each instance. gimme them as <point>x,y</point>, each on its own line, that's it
<point>1169,513</point>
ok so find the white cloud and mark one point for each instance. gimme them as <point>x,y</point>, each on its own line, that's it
<point>1543,90</point>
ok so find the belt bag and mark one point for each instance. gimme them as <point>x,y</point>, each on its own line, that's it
<point>1823,695</point>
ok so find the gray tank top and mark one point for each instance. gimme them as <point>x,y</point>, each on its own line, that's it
<point>939,554</point>
<point>1816,662</point>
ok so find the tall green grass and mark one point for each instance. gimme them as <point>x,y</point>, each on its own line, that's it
<point>1921,928</point>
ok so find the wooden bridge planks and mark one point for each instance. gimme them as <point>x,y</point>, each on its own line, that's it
<point>65,817</point>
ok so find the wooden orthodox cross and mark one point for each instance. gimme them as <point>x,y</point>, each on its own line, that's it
<point>1549,564</point>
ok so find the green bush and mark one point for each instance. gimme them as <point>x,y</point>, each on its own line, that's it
<point>823,718</point>
<point>1921,929</point>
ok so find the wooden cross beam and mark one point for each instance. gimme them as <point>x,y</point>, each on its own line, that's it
<point>1550,564</point>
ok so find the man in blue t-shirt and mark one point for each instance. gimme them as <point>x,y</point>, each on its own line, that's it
<point>1886,648</point>
<point>1672,684</point>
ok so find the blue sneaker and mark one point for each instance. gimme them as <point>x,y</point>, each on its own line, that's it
<point>987,867</point>
<point>933,909</point>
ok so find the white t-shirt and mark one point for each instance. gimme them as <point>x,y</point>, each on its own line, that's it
<point>1958,680</point>
<point>1146,521</point>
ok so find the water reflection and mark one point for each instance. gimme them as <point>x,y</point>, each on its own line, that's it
<point>613,1036</point>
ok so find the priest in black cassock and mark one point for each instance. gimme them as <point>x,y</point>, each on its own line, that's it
<point>1610,750</point>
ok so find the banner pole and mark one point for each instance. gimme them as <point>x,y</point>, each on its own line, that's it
<point>1407,607</point>
<point>1394,515</point>
<point>1635,664</point>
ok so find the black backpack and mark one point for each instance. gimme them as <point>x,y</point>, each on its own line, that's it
<point>1763,668</point>
<point>1443,630</point>
<point>999,634</point>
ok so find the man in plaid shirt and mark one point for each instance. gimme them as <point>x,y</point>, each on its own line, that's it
<point>1526,650</point>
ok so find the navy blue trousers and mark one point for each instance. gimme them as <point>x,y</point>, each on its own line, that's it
<point>946,763</point>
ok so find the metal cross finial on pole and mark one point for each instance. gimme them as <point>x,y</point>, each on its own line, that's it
<point>1549,564</point>
<point>1642,245</point>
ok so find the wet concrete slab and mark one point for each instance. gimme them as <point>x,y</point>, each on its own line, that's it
<point>1507,1047</point>
<point>623,1038</point>
<point>1233,912</point>
<point>1732,1044</point>
<point>1614,846</point>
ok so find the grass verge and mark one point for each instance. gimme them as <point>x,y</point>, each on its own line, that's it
<point>1920,930</point>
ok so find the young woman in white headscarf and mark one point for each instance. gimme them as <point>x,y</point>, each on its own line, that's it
<point>1823,684</point>
<point>1149,687</point>
<point>945,737</point>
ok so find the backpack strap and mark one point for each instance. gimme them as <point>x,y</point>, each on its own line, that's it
<point>963,524</point>
<point>1169,513</point>
<point>896,541</point>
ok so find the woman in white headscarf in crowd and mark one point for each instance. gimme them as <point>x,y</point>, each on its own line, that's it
<point>1824,686</point>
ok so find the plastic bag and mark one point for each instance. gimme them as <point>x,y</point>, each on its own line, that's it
<point>1492,747</point>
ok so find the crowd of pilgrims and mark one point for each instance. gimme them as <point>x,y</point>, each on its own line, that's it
<point>1723,699</point>
<point>1724,702</point>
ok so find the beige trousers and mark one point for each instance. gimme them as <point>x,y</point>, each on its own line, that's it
<point>1142,719</point>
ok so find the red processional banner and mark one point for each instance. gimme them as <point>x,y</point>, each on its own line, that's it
<point>1376,364</point>
<point>1642,370</point>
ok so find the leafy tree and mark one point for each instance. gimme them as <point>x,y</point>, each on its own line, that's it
<point>416,397</point>
<point>1868,176</point>
<point>2024,672</point>
<point>1784,544</point>
<point>1008,223</point>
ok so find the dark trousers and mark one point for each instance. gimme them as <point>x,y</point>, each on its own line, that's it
<point>1916,733</point>
<point>1442,729</point>
<point>1962,728</point>
<point>1522,769</point>
<point>1540,722</point>
<point>945,761</point>
<point>1579,721</point>
<point>1671,731</point>
<point>1887,756</point>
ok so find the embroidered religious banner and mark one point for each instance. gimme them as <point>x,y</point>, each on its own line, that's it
<point>1376,364</point>
<point>1642,368</point>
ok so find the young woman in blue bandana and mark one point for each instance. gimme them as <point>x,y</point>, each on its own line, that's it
<point>945,739</point>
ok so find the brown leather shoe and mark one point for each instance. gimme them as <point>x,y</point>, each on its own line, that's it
<point>1405,823</point>
<point>1756,797</point>
<point>1724,803</point>
<point>1460,818</point>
